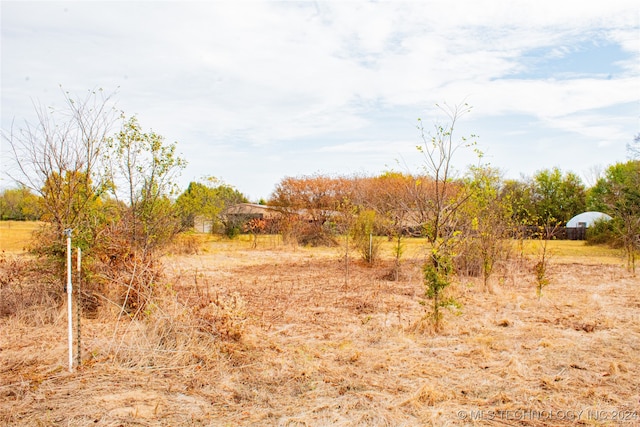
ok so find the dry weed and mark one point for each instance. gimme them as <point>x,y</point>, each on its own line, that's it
<point>273,336</point>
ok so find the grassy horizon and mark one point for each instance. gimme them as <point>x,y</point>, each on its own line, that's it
<point>15,236</point>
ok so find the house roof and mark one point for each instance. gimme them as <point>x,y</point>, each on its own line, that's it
<point>249,209</point>
<point>588,218</point>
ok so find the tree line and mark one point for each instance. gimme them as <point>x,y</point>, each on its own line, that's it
<point>549,196</point>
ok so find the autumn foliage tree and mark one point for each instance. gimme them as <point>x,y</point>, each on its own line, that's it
<point>309,205</point>
<point>392,196</point>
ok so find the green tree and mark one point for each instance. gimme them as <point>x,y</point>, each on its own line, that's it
<point>20,204</point>
<point>517,196</point>
<point>618,194</point>
<point>208,199</point>
<point>143,169</point>
<point>488,218</point>
<point>557,197</point>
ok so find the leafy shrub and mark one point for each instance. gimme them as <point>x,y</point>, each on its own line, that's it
<point>601,232</point>
<point>363,233</point>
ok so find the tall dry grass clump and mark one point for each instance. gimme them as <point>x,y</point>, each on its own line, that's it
<point>181,325</point>
<point>29,289</point>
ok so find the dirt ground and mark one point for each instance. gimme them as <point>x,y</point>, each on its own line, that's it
<point>290,337</point>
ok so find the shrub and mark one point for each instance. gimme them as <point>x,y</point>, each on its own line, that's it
<point>601,232</point>
<point>363,236</point>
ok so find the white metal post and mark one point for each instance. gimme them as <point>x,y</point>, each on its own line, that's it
<point>69,300</point>
<point>78,307</point>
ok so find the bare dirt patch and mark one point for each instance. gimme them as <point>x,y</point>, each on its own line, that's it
<point>312,347</point>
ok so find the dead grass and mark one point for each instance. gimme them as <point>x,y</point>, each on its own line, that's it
<point>314,350</point>
<point>15,236</point>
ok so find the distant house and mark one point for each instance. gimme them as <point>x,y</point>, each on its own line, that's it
<point>202,224</point>
<point>238,214</point>
<point>248,211</point>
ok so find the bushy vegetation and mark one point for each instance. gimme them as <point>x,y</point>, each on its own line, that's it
<point>111,188</point>
<point>601,232</point>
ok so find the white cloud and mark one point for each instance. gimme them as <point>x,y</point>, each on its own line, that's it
<point>258,74</point>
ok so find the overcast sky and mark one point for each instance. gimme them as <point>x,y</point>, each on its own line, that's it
<point>254,91</point>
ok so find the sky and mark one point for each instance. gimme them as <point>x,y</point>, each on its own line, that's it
<point>256,91</point>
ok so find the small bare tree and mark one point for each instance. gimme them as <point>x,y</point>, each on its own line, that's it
<point>544,234</point>
<point>58,157</point>
<point>445,198</point>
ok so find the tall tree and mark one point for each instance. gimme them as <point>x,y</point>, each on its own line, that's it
<point>143,168</point>
<point>557,197</point>
<point>618,194</point>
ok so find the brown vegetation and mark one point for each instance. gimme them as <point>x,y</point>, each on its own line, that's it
<point>272,336</point>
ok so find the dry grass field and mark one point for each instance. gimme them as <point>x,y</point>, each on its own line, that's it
<point>277,335</point>
<point>15,236</point>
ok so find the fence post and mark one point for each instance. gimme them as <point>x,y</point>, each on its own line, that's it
<point>67,232</point>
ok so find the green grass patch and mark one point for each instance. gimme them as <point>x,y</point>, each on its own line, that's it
<point>571,251</point>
